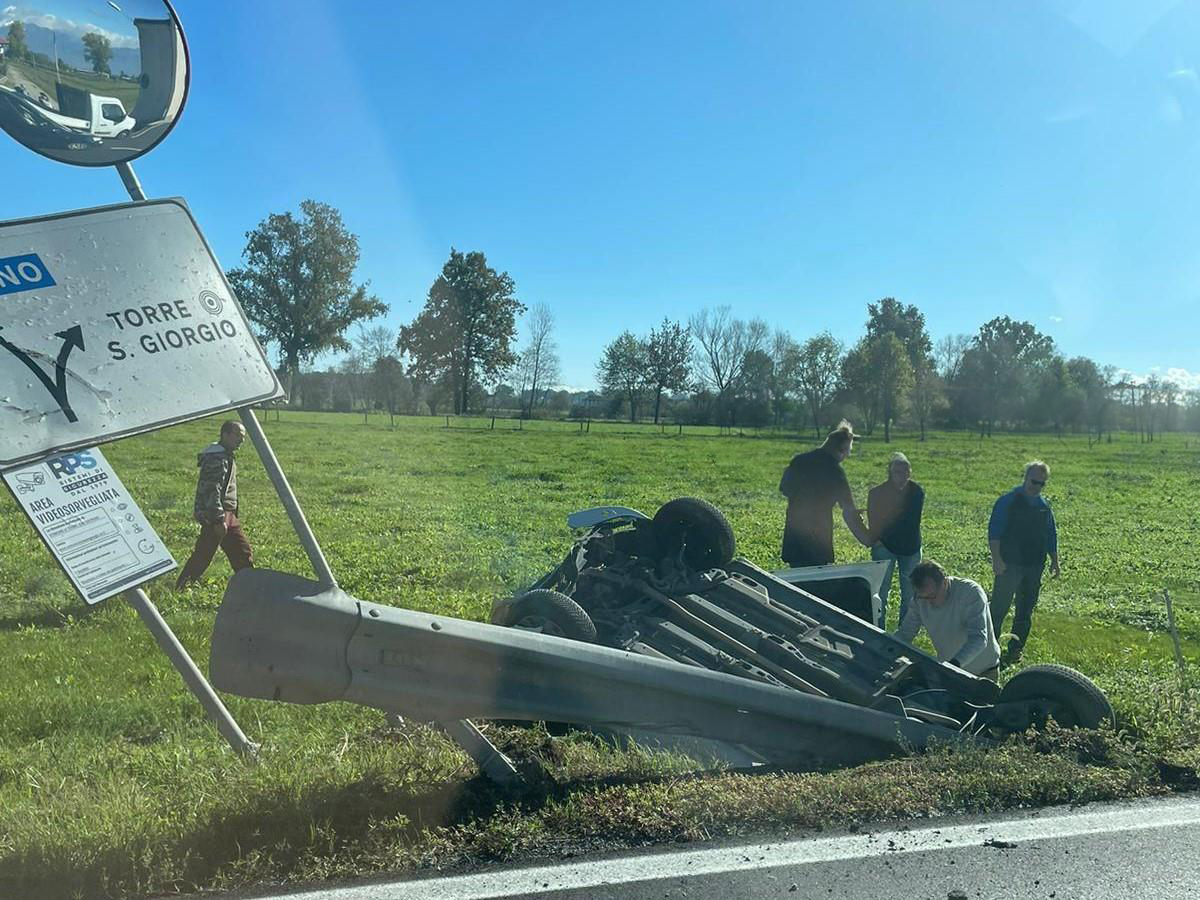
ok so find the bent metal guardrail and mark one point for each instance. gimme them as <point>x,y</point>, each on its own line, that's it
<point>284,638</point>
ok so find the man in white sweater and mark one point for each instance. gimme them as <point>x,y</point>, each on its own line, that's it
<point>954,611</point>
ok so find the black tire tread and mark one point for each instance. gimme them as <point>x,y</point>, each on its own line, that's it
<point>1058,682</point>
<point>697,518</point>
<point>569,616</point>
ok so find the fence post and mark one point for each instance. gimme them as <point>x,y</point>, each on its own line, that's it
<point>681,428</point>
<point>447,421</point>
<point>493,427</point>
<point>589,426</point>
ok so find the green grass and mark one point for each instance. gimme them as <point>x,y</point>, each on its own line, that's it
<point>113,783</point>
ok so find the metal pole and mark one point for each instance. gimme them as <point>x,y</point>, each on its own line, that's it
<point>307,539</point>
<point>130,179</point>
<point>169,644</point>
<point>157,625</point>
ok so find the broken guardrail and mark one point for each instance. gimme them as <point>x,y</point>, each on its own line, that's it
<point>284,638</point>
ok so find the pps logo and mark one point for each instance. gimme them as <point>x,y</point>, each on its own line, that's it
<point>66,466</point>
<point>24,273</point>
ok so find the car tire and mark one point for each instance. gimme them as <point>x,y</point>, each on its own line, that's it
<point>548,612</point>
<point>1076,696</point>
<point>698,529</point>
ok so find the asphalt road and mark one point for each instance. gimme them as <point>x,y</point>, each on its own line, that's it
<point>1141,850</point>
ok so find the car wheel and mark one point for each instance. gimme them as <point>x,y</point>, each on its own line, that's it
<point>698,529</point>
<point>549,612</point>
<point>1070,697</point>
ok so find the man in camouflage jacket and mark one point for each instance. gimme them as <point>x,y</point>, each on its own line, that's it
<point>216,508</point>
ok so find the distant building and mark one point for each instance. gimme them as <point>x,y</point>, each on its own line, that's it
<point>3,46</point>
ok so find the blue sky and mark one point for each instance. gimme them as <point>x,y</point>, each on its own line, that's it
<point>626,161</point>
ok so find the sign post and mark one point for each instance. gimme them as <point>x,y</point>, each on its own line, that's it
<point>114,322</point>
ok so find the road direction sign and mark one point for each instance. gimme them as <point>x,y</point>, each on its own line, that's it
<point>90,523</point>
<point>116,321</point>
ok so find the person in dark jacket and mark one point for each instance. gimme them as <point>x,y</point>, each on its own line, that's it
<point>894,512</point>
<point>216,508</point>
<point>1021,534</point>
<point>814,482</point>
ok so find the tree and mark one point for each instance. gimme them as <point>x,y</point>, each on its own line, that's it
<point>98,51</point>
<point>464,333</point>
<point>817,373</point>
<point>389,385</point>
<point>355,372</point>
<point>782,377</point>
<point>668,361</point>
<point>18,47</point>
<point>723,344</point>
<point>878,375</point>
<point>949,355</point>
<point>621,370</point>
<point>539,359</point>
<point>297,284</point>
<point>1003,358</point>
<point>1097,386</point>
<point>890,316</point>
<point>926,393</point>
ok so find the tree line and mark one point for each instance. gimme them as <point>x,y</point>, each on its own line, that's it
<point>459,355</point>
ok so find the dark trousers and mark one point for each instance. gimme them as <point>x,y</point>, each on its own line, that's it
<point>234,543</point>
<point>1023,584</point>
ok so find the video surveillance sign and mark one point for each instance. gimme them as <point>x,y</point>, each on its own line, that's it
<point>89,522</point>
<point>113,322</point>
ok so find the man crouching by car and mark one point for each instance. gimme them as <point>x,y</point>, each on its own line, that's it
<point>954,611</point>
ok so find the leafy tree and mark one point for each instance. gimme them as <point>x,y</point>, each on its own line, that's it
<point>297,285</point>
<point>817,373</point>
<point>668,354</point>
<point>1097,385</point>
<point>18,47</point>
<point>621,370</point>
<point>926,393</point>
<point>464,333</point>
<point>98,51</point>
<point>1003,359</point>
<point>389,386</point>
<point>890,316</point>
<point>878,375</point>
<point>783,377</point>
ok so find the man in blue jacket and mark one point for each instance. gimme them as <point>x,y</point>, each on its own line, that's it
<point>1021,534</point>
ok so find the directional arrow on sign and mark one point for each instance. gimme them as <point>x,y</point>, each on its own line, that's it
<point>72,338</point>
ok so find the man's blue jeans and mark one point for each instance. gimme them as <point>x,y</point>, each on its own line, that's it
<point>905,563</point>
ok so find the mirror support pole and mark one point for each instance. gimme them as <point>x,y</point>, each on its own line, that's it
<point>192,676</point>
<point>130,179</point>
<point>304,532</point>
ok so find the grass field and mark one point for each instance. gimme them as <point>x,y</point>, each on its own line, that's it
<point>112,782</point>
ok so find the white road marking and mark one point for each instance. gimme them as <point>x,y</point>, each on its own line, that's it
<point>574,876</point>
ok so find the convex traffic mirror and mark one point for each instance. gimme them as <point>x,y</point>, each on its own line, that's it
<point>91,82</point>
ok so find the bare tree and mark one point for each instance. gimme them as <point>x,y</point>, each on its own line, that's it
<point>948,353</point>
<point>783,380</point>
<point>817,374</point>
<point>723,344</point>
<point>539,365</point>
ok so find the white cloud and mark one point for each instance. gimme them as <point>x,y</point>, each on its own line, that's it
<point>66,26</point>
<point>1185,379</point>
<point>1056,318</point>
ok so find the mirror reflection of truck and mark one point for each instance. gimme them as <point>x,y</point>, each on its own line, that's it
<point>83,111</point>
